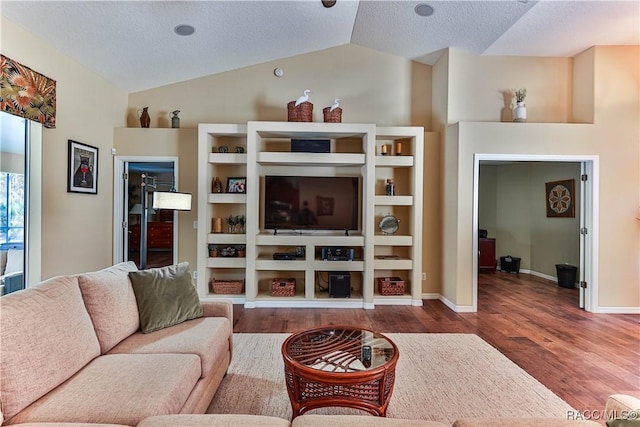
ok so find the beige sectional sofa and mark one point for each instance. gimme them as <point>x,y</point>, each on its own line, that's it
<point>71,351</point>
<point>72,355</point>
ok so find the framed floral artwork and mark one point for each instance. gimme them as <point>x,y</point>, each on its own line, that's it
<point>560,199</point>
<point>82,168</point>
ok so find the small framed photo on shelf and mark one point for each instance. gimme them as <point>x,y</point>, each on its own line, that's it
<point>82,168</point>
<point>237,185</point>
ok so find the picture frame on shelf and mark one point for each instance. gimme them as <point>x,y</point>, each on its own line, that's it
<point>560,198</point>
<point>237,185</point>
<point>82,168</point>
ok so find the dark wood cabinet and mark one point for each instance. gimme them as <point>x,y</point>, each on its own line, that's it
<point>487,253</point>
<point>159,236</point>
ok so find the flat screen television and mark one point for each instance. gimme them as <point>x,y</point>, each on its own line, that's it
<point>311,202</point>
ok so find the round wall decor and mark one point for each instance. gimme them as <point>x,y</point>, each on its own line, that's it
<point>389,224</point>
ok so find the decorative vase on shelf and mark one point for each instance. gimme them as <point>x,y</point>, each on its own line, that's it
<point>145,120</point>
<point>175,120</point>
<point>520,112</point>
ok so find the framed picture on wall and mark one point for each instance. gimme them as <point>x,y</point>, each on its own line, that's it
<point>560,198</point>
<point>82,168</point>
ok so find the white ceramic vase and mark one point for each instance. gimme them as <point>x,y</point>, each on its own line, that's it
<point>520,112</point>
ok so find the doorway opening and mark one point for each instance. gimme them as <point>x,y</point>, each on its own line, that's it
<point>586,229</point>
<point>162,229</point>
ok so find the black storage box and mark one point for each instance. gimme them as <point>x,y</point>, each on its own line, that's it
<point>566,275</point>
<point>510,264</point>
<point>310,145</point>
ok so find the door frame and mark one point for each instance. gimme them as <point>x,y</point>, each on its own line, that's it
<point>589,218</point>
<point>120,194</point>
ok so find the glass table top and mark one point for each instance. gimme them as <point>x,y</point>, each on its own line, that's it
<point>339,349</point>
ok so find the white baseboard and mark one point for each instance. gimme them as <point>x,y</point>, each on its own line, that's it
<point>618,310</point>
<point>553,279</point>
<point>432,295</point>
<point>457,308</point>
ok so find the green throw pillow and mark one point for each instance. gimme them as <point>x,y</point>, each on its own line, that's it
<point>165,296</point>
<point>632,421</point>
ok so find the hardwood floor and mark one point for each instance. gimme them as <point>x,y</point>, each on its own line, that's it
<point>580,356</point>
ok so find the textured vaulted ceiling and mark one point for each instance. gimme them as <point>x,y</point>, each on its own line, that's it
<point>132,43</point>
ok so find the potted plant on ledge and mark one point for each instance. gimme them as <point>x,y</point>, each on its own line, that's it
<point>520,112</point>
<point>213,251</point>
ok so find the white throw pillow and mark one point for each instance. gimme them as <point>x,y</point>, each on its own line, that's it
<point>15,261</point>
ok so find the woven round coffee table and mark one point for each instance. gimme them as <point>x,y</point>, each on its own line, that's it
<point>339,366</point>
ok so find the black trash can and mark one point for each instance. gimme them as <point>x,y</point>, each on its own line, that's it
<point>566,275</point>
<point>510,264</point>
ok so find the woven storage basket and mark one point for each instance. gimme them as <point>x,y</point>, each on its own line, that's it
<point>391,286</point>
<point>334,116</point>
<point>301,113</point>
<point>283,287</point>
<point>231,287</point>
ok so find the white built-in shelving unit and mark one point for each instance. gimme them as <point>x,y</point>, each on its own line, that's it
<point>355,151</point>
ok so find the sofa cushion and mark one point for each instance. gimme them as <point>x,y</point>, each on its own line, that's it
<point>119,389</point>
<point>111,303</point>
<point>522,422</point>
<point>207,337</point>
<point>68,425</point>
<point>308,420</point>
<point>166,296</point>
<point>46,337</point>
<point>214,420</point>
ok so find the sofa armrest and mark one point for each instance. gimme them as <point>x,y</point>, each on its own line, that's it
<point>618,405</point>
<point>218,308</point>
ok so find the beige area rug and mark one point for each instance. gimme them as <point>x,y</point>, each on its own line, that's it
<point>439,377</point>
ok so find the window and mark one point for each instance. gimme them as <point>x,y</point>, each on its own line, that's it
<point>11,207</point>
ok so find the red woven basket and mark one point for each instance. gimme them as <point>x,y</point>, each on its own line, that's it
<point>283,287</point>
<point>334,116</point>
<point>301,113</point>
<point>391,286</point>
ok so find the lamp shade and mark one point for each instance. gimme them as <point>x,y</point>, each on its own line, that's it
<point>137,210</point>
<point>172,200</point>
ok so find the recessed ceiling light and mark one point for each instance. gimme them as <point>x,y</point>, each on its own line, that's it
<point>184,30</point>
<point>424,9</point>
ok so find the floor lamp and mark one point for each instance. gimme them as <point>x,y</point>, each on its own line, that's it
<point>161,200</point>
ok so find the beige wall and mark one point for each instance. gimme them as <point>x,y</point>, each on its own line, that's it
<point>480,87</point>
<point>374,87</point>
<point>76,228</point>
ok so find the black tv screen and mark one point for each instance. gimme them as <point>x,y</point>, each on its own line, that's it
<point>311,202</point>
